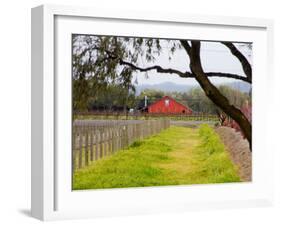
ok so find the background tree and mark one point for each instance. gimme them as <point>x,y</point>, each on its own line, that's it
<point>196,98</point>
<point>152,96</point>
<point>113,97</point>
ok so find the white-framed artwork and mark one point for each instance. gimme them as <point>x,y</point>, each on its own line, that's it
<point>52,194</point>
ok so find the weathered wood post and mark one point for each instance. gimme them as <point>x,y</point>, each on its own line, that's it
<point>96,140</point>
<point>80,147</point>
<point>91,144</point>
<point>74,136</point>
<point>86,147</point>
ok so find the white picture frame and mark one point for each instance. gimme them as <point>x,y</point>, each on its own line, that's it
<point>53,199</point>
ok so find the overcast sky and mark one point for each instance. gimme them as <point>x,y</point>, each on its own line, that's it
<point>215,57</point>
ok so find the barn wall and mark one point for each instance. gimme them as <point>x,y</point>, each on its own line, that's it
<point>173,107</point>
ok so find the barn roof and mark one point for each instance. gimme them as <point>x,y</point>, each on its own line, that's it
<point>165,97</point>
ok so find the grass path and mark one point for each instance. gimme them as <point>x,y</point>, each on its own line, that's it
<point>177,155</point>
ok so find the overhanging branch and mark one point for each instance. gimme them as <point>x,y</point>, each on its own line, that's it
<point>158,69</point>
<point>247,68</point>
<point>213,93</point>
<point>226,75</point>
<point>180,73</point>
<point>186,46</point>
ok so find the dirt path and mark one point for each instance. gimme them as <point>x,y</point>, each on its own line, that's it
<point>190,163</point>
<point>182,156</point>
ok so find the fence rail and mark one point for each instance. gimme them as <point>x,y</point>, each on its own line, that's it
<point>95,139</point>
<point>145,116</point>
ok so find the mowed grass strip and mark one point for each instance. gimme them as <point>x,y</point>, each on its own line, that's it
<point>175,156</point>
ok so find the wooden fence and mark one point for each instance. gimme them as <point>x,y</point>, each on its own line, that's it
<point>145,116</point>
<point>95,139</point>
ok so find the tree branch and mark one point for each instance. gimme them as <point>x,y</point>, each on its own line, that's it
<point>182,74</point>
<point>226,75</point>
<point>215,95</point>
<point>158,69</point>
<point>186,46</point>
<point>247,68</point>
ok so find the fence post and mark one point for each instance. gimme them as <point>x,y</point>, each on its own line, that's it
<point>100,142</point>
<point>105,143</point>
<point>91,144</point>
<point>86,148</point>
<point>80,156</point>
<point>96,143</point>
<point>74,136</point>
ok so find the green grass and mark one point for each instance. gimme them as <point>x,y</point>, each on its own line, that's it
<point>176,156</point>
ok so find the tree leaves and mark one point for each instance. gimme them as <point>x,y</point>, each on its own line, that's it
<point>96,62</point>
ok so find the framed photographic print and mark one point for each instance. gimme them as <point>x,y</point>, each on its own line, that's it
<point>136,112</point>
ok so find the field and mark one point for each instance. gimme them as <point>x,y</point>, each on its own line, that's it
<point>177,155</point>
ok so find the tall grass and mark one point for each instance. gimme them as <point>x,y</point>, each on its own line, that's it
<point>131,167</point>
<point>216,164</point>
<point>176,156</point>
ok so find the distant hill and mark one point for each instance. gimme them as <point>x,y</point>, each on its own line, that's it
<point>165,86</point>
<point>173,87</point>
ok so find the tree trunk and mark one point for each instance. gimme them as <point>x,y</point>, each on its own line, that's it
<point>214,94</point>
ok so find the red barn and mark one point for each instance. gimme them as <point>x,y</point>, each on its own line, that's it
<point>168,105</point>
